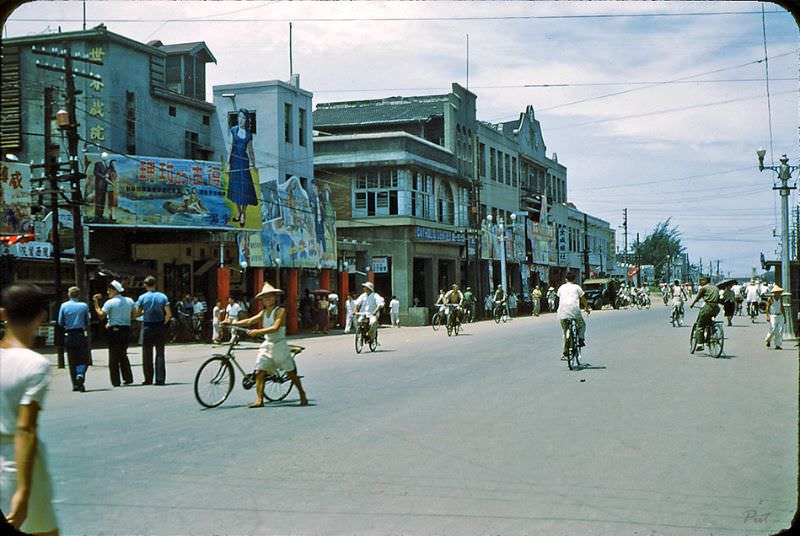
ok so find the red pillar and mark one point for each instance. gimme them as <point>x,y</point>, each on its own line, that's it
<point>344,291</point>
<point>291,301</point>
<point>325,279</point>
<point>371,277</point>
<point>223,285</point>
<point>258,282</point>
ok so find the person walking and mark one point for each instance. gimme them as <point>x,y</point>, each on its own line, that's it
<point>74,319</point>
<point>394,311</point>
<point>321,319</point>
<point>536,297</point>
<point>216,319</point>
<point>232,311</point>
<point>512,302</point>
<point>25,487</point>
<point>349,311</point>
<point>157,313</point>
<point>729,304</point>
<point>776,318</point>
<point>118,309</point>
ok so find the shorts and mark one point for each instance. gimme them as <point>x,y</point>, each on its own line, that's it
<point>41,516</point>
<point>273,357</point>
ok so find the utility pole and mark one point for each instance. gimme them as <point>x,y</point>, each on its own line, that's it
<point>797,234</point>
<point>585,247</point>
<point>638,264</point>
<point>51,163</point>
<point>67,121</point>
<point>625,256</point>
<point>717,268</point>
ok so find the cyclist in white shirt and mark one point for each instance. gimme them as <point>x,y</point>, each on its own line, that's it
<point>570,302</point>
<point>752,296</point>
<point>370,303</point>
<point>454,299</point>
<point>679,297</point>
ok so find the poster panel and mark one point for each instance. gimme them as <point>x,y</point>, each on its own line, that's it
<point>15,198</point>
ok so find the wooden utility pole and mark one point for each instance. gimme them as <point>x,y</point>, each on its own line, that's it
<point>585,247</point>
<point>625,256</point>
<point>638,264</point>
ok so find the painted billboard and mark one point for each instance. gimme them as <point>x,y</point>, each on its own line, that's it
<point>15,198</point>
<point>169,192</point>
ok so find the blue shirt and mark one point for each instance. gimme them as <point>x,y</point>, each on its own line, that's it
<point>153,304</point>
<point>118,310</point>
<point>73,314</point>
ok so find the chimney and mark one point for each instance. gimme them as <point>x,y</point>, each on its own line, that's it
<point>295,80</point>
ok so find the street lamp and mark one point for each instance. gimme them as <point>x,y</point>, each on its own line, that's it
<point>784,171</point>
<point>502,227</point>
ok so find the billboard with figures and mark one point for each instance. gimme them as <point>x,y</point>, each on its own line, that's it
<point>15,198</point>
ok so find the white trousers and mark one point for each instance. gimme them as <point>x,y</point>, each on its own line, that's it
<point>775,333</point>
<point>215,334</point>
<point>395,319</point>
<point>348,325</point>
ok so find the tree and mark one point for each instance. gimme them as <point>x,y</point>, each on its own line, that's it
<point>658,247</point>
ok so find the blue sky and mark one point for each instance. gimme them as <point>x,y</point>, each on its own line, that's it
<point>682,150</point>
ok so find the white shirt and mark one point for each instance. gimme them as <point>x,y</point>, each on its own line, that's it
<point>232,311</point>
<point>367,303</point>
<point>678,294</point>
<point>349,306</point>
<point>753,294</point>
<point>569,301</point>
<point>394,306</point>
<point>217,313</point>
<point>24,375</point>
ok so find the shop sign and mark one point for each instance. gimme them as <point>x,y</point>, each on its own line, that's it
<point>562,245</point>
<point>29,250</point>
<point>380,265</point>
<point>438,235</point>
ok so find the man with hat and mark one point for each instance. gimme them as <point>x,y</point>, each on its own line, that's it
<point>776,317</point>
<point>73,317</point>
<point>370,303</point>
<point>119,311</point>
<point>705,318</point>
<point>274,353</point>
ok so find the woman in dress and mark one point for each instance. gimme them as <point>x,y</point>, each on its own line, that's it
<point>112,189</point>
<point>240,183</point>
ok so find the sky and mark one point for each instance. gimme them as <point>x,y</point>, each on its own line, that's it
<point>657,107</point>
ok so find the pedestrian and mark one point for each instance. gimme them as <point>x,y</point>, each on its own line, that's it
<point>512,302</point>
<point>488,304</point>
<point>469,303</point>
<point>776,318</point>
<point>333,309</point>
<point>536,297</point>
<point>322,312</point>
<point>349,311</point>
<point>25,487</point>
<point>118,309</point>
<point>394,311</point>
<point>232,312</point>
<point>74,319</point>
<point>729,304</point>
<point>551,299</point>
<point>157,313</point>
<point>274,353</point>
<point>216,318</point>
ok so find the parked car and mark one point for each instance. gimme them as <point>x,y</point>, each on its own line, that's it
<point>600,292</point>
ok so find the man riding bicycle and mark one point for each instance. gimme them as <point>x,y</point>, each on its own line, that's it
<point>705,318</point>
<point>752,297</point>
<point>501,300</point>
<point>679,297</point>
<point>370,303</point>
<point>469,302</point>
<point>570,302</point>
<point>454,299</point>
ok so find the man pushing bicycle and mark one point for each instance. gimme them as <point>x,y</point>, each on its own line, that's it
<point>705,318</point>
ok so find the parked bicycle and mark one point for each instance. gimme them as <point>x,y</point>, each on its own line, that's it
<point>572,345</point>
<point>215,378</point>
<point>362,334</point>
<point>714,338</point>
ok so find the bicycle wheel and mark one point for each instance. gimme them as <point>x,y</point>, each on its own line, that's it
<point>497,314</point>
<point>449,325</point>
<point>456,328</point>
<point>359,341</point>
<point>715,341</point>
<point>572,342</point>
<point>693,339</point>
<point>213,382</point>
<point>277,386</point>
<point>373,343</point>
<point>436,321</point>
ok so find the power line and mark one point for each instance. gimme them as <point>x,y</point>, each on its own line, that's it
<point>415,19</point>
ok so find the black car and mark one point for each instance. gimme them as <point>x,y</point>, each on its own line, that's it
<point>600,292</point>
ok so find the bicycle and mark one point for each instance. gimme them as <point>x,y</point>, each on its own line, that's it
<point>453,323</point>
<point>468,317</point>
<point>752,311</point>
<point>362,334</point>
<point>677,315</point>
<point>572,345</point>
<point>436,319</point>
<point>499,313</point>
<point>215,378</point>
<point>714,338</point>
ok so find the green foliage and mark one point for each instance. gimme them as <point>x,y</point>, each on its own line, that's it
<point>663,243</point>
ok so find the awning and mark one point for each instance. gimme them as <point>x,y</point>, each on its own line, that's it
<point>119,269</point>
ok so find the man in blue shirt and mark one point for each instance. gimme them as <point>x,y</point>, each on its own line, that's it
<point>118,309</point>
<point>154,307</point>
<point>73,317</point>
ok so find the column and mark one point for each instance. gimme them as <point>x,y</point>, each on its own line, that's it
<point>258,283</point>
<point>223,284</point>
<point>344,291</point>
<point>291,300</point>
<point>325,279</point>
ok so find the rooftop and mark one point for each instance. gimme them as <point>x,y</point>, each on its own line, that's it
<point>388,110</point>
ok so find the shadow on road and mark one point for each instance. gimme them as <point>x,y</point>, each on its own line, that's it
<point>589,366</point>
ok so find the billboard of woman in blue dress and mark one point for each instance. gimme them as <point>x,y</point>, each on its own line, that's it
<point>240,181</point>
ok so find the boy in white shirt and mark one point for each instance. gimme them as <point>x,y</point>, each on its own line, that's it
<point>394,311</point>
<point>570,302</point>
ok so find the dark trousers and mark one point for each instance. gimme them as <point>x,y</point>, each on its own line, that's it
<point>77,347</point>
<point>154,336</point>
<point>118,337</point>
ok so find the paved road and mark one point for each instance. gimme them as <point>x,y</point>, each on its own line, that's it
<point>486,433</point>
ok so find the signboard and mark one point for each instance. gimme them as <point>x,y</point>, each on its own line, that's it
<point>380,265</point>
<point>439,235</point>
<point>562,245</point>
<point>15,198</point>
<point>29,250</point>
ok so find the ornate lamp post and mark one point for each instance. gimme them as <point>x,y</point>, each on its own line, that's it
<point>784,171</point>
<point>502,229</point>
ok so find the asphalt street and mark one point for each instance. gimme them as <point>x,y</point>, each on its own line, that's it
<point>484,433</point>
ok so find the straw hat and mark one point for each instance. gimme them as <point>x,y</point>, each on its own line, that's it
<point>777,288</point>
<point>268,289</point>
<point>369,285</point>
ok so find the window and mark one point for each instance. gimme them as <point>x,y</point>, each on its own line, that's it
<point>206,120</point>
<point>493,163</point>
<point>191,142</point>
<point>513,171</point>
<point>421,188</point>
<point>172,111</point>
<point>130,122</point>
<point>301,127</point>
<point>445,205</point>
<point>287,123</point>
<point>508,169</point>
<point>375,193</point>
<point>482,160</point>
<point>500,166</point>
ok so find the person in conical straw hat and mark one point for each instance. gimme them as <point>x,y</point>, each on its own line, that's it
<point>274,353</point>
<point>776,318</point>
